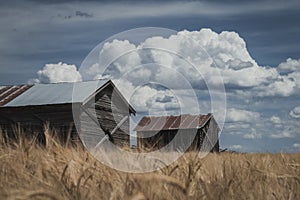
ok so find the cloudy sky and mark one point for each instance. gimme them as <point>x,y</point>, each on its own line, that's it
<point>254,45</point>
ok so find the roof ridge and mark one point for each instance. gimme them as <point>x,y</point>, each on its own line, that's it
<point>177,115</point>
<point>22,84</point>
<point>16,85</point>
<point>106,80</point>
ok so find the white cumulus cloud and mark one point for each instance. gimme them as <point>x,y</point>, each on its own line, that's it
<point>283,134</point>
<point>252,135</point>
<point>276,121</point>
<point>296,145</point>
<point>283,86</point>
<point>149,99</point>
<point>235,147</point>
<point>60,72</point>
<point>295,113</point>
<point>197,56</point>
<point>239,115</point>
<point>290,65</point>
<point>116,57</point>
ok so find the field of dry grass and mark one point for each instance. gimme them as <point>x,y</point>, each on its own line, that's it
<point>28,171</point>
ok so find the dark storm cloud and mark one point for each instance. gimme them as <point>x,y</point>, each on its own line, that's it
<point>62,1</point>
<point>98,1</point>
<point>76,14</point>
<point>83,14</point>
<point>244,3</point>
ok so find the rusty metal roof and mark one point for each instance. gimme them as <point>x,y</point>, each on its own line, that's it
<point>9,93</point>
<point>157,123</point>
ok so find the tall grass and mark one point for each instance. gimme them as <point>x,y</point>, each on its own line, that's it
<point>29,171</point>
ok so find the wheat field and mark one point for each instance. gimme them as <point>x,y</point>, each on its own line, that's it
<point>28,171</point>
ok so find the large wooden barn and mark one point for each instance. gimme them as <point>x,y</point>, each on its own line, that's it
<point>96,107</point>
<point>156,132</point>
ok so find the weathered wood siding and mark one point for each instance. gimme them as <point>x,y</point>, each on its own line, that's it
<point>108,110</point>
<point>31,120</point>
<point>188,139</point>
<point>213,134</point>
<point>204,139</point>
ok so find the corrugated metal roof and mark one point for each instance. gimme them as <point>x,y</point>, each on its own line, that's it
<point>157,123</point>
<point>8,93</point>
<point>58,93</point>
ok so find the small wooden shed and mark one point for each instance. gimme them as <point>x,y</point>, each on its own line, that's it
<point>156,132</point>
<point>96,107</point>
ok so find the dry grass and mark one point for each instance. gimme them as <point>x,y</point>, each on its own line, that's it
<point>28,171</point>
